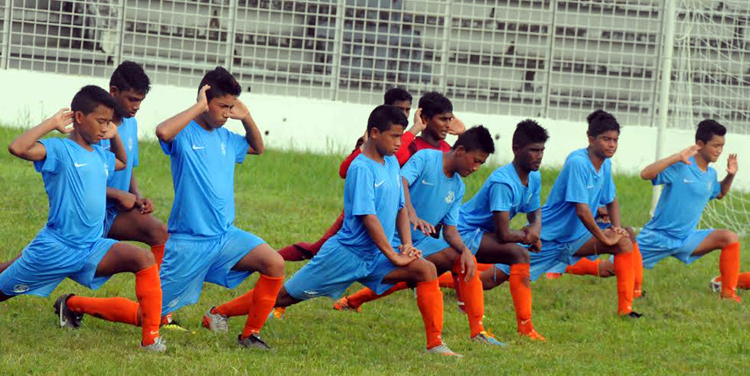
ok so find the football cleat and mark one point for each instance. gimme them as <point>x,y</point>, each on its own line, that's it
<point>215,322</point>
<point>67,318</point>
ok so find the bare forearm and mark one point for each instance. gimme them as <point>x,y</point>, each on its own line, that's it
<point>726,184</point>
<point>118,149</point>
<point>253,136</point>
<point>583,212</point>
<point>535,219</point>
<point>402,224</point>
<point>613,208</point>
<point>503,231</point>
<point>653,170</point>
<point>169,129</point>
<point>454,239</point>
<point>114,194</point>
<point>25,145</point>
<point>134,186</point>
<point>377,234</point>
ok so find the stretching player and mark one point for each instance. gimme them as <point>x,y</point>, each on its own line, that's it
<point>434,191</point>
<point>75,171</point>
<point>689,183</point>
<point>204,245</point>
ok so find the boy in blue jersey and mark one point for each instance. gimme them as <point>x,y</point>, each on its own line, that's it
<point>128,213</point>
<point>688,184</point>
<point>361,251</point>
<point>485,220</point>
<point>433,192</point>
<point>569,230</point>
<point>204,245</point>
<point>75,171</point>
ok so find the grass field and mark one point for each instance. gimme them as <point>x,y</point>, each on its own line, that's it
<point>286,197</point>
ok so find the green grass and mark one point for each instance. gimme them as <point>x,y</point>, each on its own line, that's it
<point>286,197</point>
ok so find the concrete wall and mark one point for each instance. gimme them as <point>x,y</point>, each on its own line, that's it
<point>326,126</point>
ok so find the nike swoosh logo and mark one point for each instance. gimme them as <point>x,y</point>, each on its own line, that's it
<point>686,181</point>
<point>152,332</point>
<point>589,186</point>
<point>195,147</point>
<point>379,184</point>
<point>79,164</point>
<point>425,182</point>
<point>524,322</point>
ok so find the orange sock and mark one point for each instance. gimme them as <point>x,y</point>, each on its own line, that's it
<point>520,290</point>
<point>584,266</point>
<point>473,299</point>
<point>148,292</point>
<point>158,251</point>
<point>625,278</point>
<point>446,280</point>
<point>484,267</point>
<point>366,295</point>
<point>238,306</point>
<point>743,281</point>
<point>638,272</point>
<point>264,298</point>
<point>729,265</point>
<point>430,302</point>
<point>110,309</point>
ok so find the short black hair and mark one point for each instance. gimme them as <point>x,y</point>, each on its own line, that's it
<point>89,97</point>
<point>434,103</point>
<point>383,116</point>
<point>476,138</point>
<point>707,129</point>
<point>601,121</point>
<point>222,83</point>
<point>396,94</point>
<point>130,75</point>
<point>529,132</point>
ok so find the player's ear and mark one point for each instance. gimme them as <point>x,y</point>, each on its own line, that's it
<point>113,90</point>
<point>78,117</point>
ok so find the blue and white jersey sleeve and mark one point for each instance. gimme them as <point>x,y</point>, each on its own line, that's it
<point>134,151</point>
<point>401,197</point>
<point>608,191</point>
<point>451,218</point>
<point>360,182</point>
<point>414,166</point>
<point>535,184</point>
<point>173,146</point>
<point>575,176</point>
<point>669,174</point>
<point>239,146</point>
<point>501,197</point>
<point>51,162</point>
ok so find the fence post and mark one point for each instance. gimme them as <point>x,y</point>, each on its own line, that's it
<point>231,32</point>
<point>120,33</point>
<point>338,43</point>
<point>447,24</point>
<point>550,52</point>
<point>657,68</point>
<point>6,34</point>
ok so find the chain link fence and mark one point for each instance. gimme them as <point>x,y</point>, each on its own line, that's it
<point>558,59</point>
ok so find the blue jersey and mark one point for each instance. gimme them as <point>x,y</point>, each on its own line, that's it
<point>75,180</point>
<point>128,131</point>
<point>436,198</point>
<point>685,194</point>
<point>578,183</point>
<point>203,176</point>
<point>503,191</point>
<point>370,188</point>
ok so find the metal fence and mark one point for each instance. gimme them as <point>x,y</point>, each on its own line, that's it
<point>558,59</point>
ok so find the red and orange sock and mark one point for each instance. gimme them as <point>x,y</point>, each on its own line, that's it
<point>729,265</point>
<point>743,281</point>
<point>584,266</point>
<point>148,292</point>
<point>366,295</point>
<point>446,280</point>
<point>625,281</point>
<point>520,291</point>
<point>110,309</point>
<point>638,271</point>
<point>430,303</point>
<point>238,306</point>
<point>158,251</point>
<point>263,300</point>
<point>473,299</point>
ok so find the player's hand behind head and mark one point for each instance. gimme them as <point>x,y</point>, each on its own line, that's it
<point>239,111</point>
<point>111,131</point>
<point>63,120</point>
<point>688,153</point>
<point>202,99</point>
<point>418,125</point>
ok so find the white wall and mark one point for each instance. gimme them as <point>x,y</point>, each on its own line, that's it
<point>327,126</point>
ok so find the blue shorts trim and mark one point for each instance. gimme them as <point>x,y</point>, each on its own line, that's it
<point>656,246</point>
<point>189,261</point>
<point>46,262</point>
<point>109,219</point>
<point>335,268</point>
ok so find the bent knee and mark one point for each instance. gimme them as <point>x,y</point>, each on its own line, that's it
<point>521,256</point>
<point>728,237</point>
<point>424,270</point>
<point>625,245</point>
<point>272,265</point>
<point>143,259</point>
<point>157,234</point>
